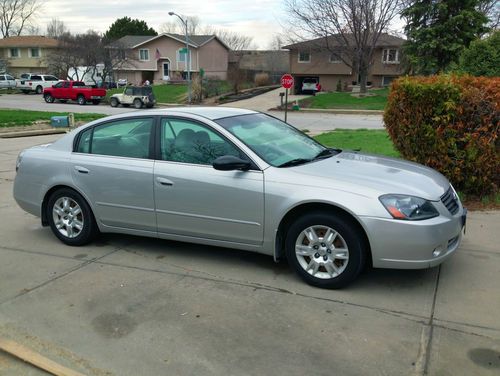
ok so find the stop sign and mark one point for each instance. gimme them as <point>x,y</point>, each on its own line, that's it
<point>287,81</point>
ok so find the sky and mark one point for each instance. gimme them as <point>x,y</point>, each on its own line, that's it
<point>259,19</point>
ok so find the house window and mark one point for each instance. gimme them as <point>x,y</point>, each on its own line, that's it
<point>304,57</point>
<point>144,55</point>
<point>390,56</point>
<point>335,57</point>
<point>34,52</point>
<point>181,57</point>
<point>14,53</point>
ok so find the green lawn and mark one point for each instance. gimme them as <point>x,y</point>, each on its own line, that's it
<point>163,93</point>
<point>11,118</point>
<point>376,101</point>
<point>369,141</point>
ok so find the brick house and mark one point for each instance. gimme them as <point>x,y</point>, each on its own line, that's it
<point>26,54</point>
<point>320,58</point>
<point>161,58</point>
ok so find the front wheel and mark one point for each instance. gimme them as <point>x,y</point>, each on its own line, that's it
<point>48,98</point>
<point>113,102</point>
<point>326,250</point>
<point>137,103</point>
<point>71,218</point>
<point>81,100</point>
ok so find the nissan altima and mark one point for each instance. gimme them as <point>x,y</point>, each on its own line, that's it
<point>243,180</point>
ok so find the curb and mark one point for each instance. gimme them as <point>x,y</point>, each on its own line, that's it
<point>334,111</point>
<point>38,132</point>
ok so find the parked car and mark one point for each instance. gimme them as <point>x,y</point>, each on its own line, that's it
<point>138,96</point>
<point>122,82</point>
<point>30,82</point>
<point>310,85</point>
<point>7,81</point>
<point>75,91</point>
<point>245,180</point>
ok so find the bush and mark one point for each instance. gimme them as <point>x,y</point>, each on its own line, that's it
<point>261,79</point>
<point>482,58</point>
<point>449,123</point>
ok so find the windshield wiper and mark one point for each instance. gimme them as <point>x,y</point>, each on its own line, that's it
<point>326,153</point>
<point>295,162</point>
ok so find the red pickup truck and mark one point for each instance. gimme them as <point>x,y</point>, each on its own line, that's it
<point>75,91</point>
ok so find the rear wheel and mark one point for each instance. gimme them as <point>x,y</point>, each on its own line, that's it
<point>137,103</point>
<point>71,218</point>
<point>81,100</point>
<point>326,250</point>
<point>48,98</point>
<point>39,89</point>
<point>114,102</point>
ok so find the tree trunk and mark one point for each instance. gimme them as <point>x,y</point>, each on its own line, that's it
<point>363,75</point>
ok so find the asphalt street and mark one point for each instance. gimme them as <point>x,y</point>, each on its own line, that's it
<point>314,122</point>
<point>128,305</point>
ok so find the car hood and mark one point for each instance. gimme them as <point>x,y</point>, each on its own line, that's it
<point>360,173</point>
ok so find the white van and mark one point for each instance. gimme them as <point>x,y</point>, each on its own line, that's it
<point>7,81</point>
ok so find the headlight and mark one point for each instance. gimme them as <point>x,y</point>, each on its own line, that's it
<point>408,207</point>
<point>19,160</point>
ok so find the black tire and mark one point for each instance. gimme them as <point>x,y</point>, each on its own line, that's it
<point>89,229</point>
<point>137,103</point>
<point>81,100</point>
<point>349,236</point>
<point>114,102</point>
<point>39,89</point>
<point>48,98</point>
<point>95,101</point>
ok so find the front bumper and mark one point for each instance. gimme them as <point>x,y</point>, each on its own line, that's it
<point>423,244</point>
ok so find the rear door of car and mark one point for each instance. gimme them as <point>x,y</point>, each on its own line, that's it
<point>195,200</point>
<point>112,165</point>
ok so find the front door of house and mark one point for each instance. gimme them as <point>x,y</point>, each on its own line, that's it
<point>166,70</point>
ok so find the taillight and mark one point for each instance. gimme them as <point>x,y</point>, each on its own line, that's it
<point>31,83</point>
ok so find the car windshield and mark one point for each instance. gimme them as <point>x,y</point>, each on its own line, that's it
<point>276,142</point>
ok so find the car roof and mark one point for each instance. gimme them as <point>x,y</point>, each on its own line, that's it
<point>211,113</point>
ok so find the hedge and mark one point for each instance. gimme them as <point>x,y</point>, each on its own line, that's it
<point>450,123</point>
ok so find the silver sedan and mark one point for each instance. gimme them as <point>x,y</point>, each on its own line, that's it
<point>244,180</point>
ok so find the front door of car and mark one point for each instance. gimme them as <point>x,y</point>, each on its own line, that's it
<point>195,200</point>
<point>128,95</point>
<point>111,165</point>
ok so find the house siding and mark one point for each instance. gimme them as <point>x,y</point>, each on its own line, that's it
<point>24,63</point>
<point>213,58</point>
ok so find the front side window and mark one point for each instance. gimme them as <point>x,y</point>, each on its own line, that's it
<point>390,56</point>
<point>190,142</point>
<point>144,55</point>
<point>123,138</point>
<point>304,57</point>
<point>274,141</point>
<point>14,53</point>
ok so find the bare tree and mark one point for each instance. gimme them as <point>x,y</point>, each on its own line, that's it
<point>235,41</point>
<point>491,9</point>
<point>88,55</point>
<point>16,15</point>
<point>169,27</point>
<point>56,28</point>
<point>348,28</point>
<point>177,27</point>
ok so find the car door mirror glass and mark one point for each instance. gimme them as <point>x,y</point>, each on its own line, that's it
<point>230,162</point>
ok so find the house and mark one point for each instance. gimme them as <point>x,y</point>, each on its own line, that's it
<point>252,62</point>
<point>162,58</point>
<point>26,54</point>
<point>321,59</point>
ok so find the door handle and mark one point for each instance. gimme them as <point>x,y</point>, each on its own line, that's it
<point>165,182</point>
<point>82,170</point>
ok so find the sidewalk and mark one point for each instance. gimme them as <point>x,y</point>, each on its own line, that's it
<point>265,101</point>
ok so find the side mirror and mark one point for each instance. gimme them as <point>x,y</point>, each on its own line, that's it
<point>230,162</point>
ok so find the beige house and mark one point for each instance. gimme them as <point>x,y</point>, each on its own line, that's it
<point>162,58</point>
<point>25,54</point>
<point>321,59</point>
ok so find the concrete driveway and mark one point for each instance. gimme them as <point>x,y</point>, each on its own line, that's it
<point>136,306</point>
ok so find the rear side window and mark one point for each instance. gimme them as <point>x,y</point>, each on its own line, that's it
<point>36,78</point>
<point>50,78</point>
<point>124,138</point>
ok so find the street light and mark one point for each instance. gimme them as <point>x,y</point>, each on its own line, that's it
<point>185,23</point>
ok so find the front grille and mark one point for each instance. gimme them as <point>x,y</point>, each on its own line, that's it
<point>450,200</point>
